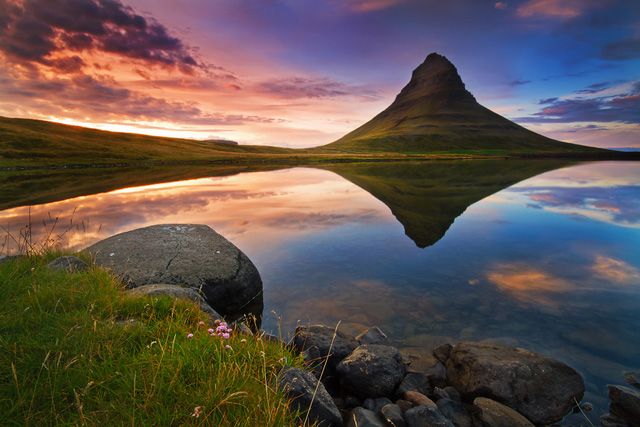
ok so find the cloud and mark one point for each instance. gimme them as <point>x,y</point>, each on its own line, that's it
<point>622,50</point>
<point>595,88</point>
<point>102,99</point>
<point>500,5</point>
<point>364,6</point>
<point>552,8</point>
<point>621,107</point>
<point>46,32</point>
<point>301,87</point>
<point>519,82</point>
<point>615,270</point>
<point>529,285</point>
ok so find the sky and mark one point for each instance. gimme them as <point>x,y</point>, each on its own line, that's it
<point>301,73</point>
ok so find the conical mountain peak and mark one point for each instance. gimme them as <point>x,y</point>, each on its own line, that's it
<point>435,80</point>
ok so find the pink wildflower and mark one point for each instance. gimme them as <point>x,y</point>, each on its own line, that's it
<point>201,323</point>
<point>228,347</point>
<point>197,411</point>
<point>189,335</point>
<point>225,336</point>
<point>211,331</point>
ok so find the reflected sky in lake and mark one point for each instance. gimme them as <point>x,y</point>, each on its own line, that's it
<point>550,263</point>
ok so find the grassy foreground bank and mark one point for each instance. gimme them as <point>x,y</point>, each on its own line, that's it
<point>74,349</point>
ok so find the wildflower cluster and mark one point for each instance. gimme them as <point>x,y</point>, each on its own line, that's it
<point>221,330</point>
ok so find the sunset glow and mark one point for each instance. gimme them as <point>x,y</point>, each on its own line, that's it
<point>304,73</point>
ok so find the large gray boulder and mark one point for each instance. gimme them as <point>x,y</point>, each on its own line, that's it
<point>489,413</point>
<point>542,389</point>
<point>68,263</point>
<point>177,292</point>
<point>189,254</point>
<point>372,370</point>
<point>307,394</point>
<point>315,344</point>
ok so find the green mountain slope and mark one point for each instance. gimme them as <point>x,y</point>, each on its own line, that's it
<point>435,113</point>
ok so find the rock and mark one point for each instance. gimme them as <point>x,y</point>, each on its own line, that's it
<point>375,405</point>
<point>71,264</point>
<point>439,393</point>
<point>442,352</point>
<point>372,370</point>
<point>586,407</point>
<point>361,417</point>
<point>632,378</point>
<point>314,343</point>
<point>542,389</point>
<point>608,420</point>
<point>419,399</point>
<point>423,416</point>
<point>189,254</point>
<point>373,336</point>
<point>453,393</point>
<point>175,291</point>
<point>455,412</point>
<point>404,405</point>
<point>414,381</point>
<point>351,401</point>
<point>437,375</point>
<point>490,413</point>
<point>392,414</point>
<point>625,404</point>
<point>300,387</point>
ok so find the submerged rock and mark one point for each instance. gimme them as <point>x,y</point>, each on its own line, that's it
<point>392,414</point>
<point>315,343</point>
<point>625,404</point>
<point>490,413</point>
<point>71,264</point>
<point>184,254</point>
<point>456,412</point>
<point>307,394</point>
<point>542,389</point>
<point>414,381</point>
<point>372,370</point>
<point>175,291</point>
<point>373,336</point>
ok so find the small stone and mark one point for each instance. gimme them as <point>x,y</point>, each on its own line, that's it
<point>437,375</point>
<point>424,416</point>
<point>352,401</point>
<point>307,394</point>
<point>70,264</point>
<point>372,370</point>
<point>632,378</point>
<point>404,405</point>
<point>586,407</point>
<point>456,412</point>
<point>369,404</point>
<point>625,404</point>
<point>442,352</point>
<point>419,399</point>
<point>414,381</point>
<point>373,336</point>
<point>379,403</point>
<point>393,415</point>
<point>439,393</point>
<point>493,414</point>
<point>608,420</point>
<point>453,393</point>
<point>315,343</point>
<point>361,417</point>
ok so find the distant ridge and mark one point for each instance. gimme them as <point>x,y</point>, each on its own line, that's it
<point>434,112</point>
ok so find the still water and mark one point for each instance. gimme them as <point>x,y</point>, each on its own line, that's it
<point>541,255</point>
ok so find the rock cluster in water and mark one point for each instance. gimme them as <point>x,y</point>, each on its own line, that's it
<point>471,384</point>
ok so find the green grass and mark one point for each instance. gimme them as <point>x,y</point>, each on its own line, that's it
<point>68,355</point>
<point>28,143</point>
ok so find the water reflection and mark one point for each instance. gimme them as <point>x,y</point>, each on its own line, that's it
<point>549,263</point>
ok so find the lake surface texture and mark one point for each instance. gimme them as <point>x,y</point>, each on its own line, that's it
<point>543,255</point>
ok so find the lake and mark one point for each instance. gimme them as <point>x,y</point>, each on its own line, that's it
<point>540,254</point>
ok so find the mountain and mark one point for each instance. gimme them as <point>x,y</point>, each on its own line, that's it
<point>434,112</point>
<point>427,197</point>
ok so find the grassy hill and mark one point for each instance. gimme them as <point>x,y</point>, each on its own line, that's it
<point>435,113</point>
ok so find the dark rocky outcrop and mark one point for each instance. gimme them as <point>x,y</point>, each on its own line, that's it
<point>315,344</point>
<point>184,254</point>
<point>372,370</point>
<point>300,386</point>
<point>542,389</point>
<point>176,291</point>
<point>70,263</point>
<point>489,413</point>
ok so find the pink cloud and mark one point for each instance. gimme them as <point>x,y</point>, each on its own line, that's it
<point>371,5</point>
<point>501,5</point>
<point>564,9</point>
